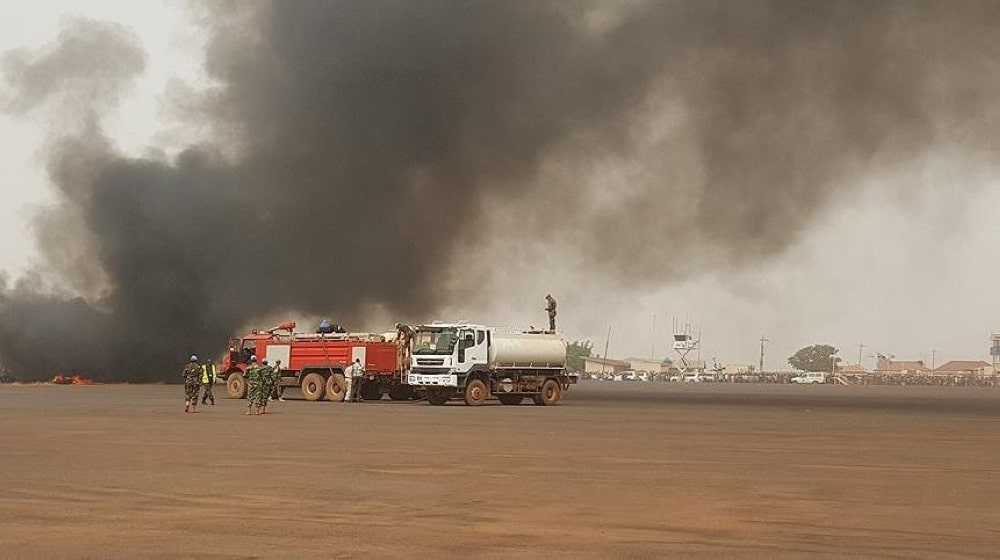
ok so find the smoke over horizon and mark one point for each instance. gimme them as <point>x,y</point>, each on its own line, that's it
<point>363,153</point>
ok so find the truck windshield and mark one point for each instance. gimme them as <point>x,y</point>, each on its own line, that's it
<point>440,341</point>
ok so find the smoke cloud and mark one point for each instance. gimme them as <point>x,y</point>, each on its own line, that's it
<point>362,151</point>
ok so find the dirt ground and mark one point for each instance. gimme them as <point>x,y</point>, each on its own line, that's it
<point>615,471</point>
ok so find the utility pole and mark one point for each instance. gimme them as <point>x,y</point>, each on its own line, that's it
<point>933,359</point>
<point>607,341</point>
<point>861,350</point>
<point>652,345</point>
<point>762,341</point>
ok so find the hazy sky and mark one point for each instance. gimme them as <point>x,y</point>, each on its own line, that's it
<point>905,268</point>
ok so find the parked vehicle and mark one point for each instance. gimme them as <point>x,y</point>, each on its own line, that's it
<point>473,362</point>
<point>315,362</point>
<point>811,377</point>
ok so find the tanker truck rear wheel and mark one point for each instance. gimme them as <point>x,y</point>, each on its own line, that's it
<point>236,386</point>
<point>336,387</point>
<point>476,392</point>
<point>510,399</point>
<point>550,394</point>
<point>438,397</point>
<point>313,387</point>
<point>401,392</point>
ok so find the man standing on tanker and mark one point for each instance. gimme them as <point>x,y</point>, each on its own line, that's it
<point>208,374</point>
<point>551,308</point>
<point>192,379</point>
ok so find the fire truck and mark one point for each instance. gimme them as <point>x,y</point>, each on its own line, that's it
<point>315,362</point>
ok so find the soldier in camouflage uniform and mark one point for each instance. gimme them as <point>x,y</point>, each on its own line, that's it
<point>192,380</point>
<point>253,385</point>
<point>268,378</point>
<point>551,308</point>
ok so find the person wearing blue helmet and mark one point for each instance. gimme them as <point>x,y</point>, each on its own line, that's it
<point>192,381</point>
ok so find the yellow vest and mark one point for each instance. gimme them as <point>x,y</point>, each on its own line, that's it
<point>208,373</point>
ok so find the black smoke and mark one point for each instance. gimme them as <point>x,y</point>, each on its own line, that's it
<point>355,142</point>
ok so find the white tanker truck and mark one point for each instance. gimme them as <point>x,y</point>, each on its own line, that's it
<point>473,362</point>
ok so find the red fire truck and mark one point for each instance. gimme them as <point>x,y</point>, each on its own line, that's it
<point>315,362</point>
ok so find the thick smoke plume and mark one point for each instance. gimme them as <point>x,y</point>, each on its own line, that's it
<point>355,144</point>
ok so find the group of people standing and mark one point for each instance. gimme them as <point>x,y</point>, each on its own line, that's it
<point>262,385</point>
<point>199,378</point>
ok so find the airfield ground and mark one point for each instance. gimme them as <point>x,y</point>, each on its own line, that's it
<point>615,471</point>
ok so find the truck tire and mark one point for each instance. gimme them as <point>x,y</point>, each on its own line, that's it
<point>313,387</point>
<point>476,392</point>
<point>371,391</point>
<point>551,393</point>
<point>438,397</point>
<point>513,400</point>
<point>336,387</point>
<point>401,392</point>
<point>236,385</point>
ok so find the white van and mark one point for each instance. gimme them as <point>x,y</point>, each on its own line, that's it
<point>810,377</point>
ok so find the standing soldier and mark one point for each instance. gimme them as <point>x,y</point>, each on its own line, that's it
<point>269,381</point>
<point>253,385</point>
<point>208,374</point>
<point>264,371</point>
<point>276,388</point>
<point>551,308</point>
<point>192,375</point>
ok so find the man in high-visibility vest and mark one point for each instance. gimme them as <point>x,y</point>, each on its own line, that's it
<point>208,374</point>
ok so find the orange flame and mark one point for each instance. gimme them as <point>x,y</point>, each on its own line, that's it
<point>75,379</point>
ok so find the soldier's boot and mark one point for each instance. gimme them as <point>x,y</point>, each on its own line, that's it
<point>187,406</point>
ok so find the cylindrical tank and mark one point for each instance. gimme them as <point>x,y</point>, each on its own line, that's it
<point>523,350</point>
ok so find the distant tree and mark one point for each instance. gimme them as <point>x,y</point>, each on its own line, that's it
<point>575,353</point>
<point>814,358</point>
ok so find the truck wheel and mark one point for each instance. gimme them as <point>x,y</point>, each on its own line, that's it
<point>510,399</point>
<point>401,392</point>
<point>476,392</point>
<point>313,387</point>
<point>371,391</point>
<point>236,386</point>
<point>336,387</point>
<point>551,393</point>
<point>438,397</point>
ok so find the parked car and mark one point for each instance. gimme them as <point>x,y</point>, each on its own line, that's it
<point>691,378</point>
<point>810,377</point>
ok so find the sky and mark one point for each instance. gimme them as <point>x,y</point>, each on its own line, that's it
<point>902,263</point>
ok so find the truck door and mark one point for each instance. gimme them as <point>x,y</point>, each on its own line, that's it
<point>472,348</point>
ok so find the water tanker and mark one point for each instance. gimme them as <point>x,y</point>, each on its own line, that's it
<point>527,350</point>
<point>449,360</point>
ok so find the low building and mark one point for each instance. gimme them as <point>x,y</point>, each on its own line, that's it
<point>596,366</point>
<point>646,365</point>
<point>851,369</point>
<point>965,368</point>
<point>901,367</point>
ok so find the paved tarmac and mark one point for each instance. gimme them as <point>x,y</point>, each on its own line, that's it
<point>617,470</point>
